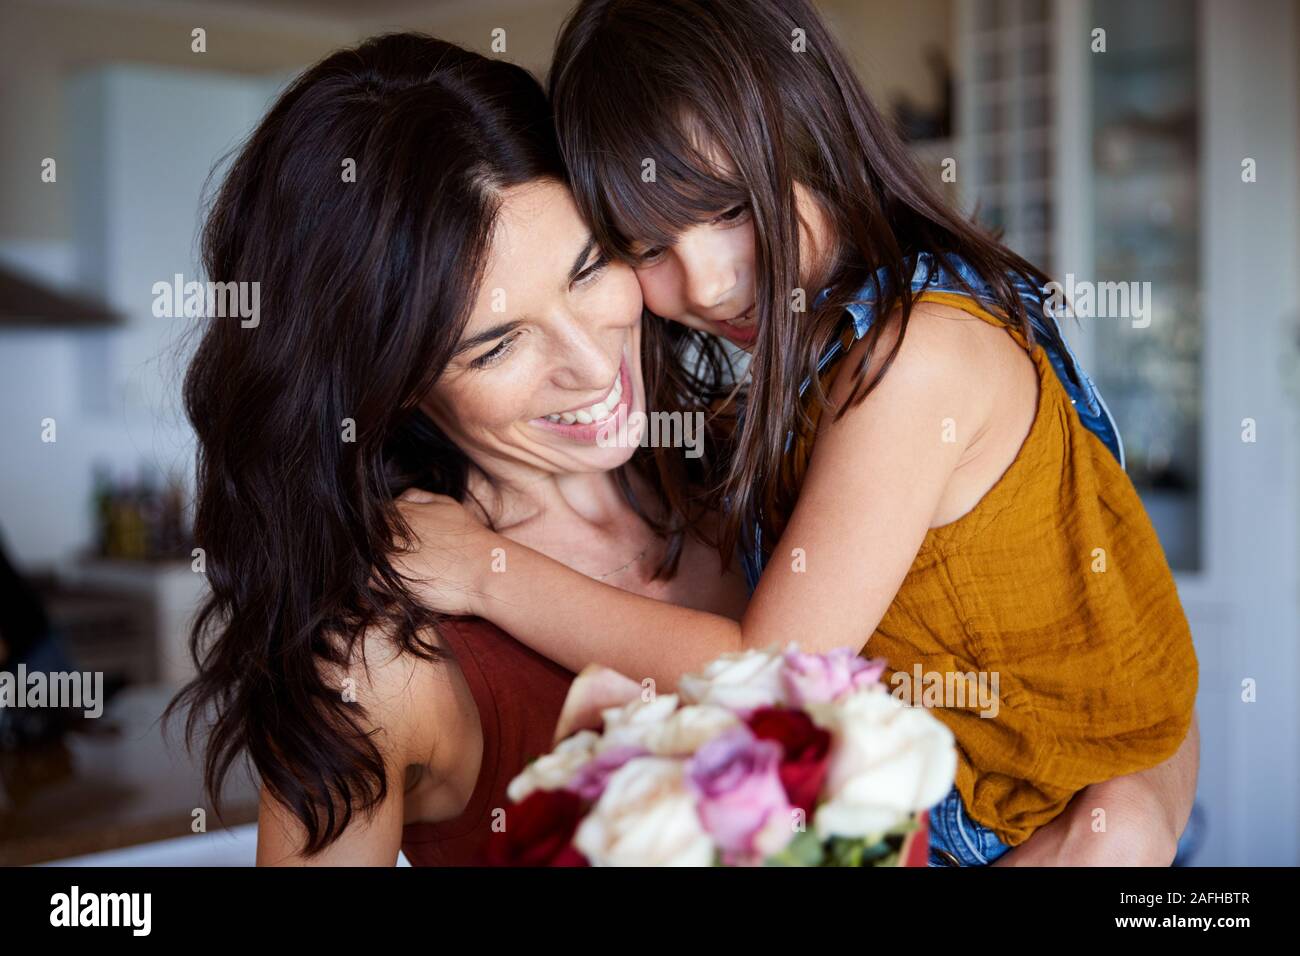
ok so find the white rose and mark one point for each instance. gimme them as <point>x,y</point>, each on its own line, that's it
<point>631,724</point>
<point>554,770</point>
<point>689,729</point>
<point>645,817</point>
<point>741,681</point>
<point>887,761</point>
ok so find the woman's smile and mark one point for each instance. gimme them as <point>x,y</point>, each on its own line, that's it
<point>586,423</point>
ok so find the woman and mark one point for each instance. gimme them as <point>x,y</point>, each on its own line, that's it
<point>435,318</point>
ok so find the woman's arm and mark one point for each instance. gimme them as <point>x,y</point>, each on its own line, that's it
<point>1145,814</point>
<point>854,557</point>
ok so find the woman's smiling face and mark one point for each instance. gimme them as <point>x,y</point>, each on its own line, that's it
<point>549,364</point>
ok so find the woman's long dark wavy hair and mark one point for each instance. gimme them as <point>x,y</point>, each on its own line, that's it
<point>307,423</point>
<point>766,83</point>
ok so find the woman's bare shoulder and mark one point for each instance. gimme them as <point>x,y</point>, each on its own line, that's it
<point>417,705</point>
<point>420,715</point>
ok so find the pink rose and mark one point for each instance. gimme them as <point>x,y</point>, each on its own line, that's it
<point>825,678</point>
<point>589,781</point>
<point>742,803</point>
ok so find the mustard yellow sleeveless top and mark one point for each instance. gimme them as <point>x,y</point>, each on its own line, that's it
<point>1056,582</point>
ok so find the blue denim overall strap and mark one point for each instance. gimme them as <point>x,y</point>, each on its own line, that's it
<point>931,274</point>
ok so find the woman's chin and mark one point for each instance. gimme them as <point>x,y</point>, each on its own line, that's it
<point>608,459</point>
<point>612,447</point>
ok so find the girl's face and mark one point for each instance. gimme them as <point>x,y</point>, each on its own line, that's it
<point>548,367</point>
<point>705,279</point>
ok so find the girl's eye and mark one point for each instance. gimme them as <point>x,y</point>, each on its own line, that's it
<point>500,351</point>
<point>650,256</point>
<point>592,271</point>
<point>734,213</point>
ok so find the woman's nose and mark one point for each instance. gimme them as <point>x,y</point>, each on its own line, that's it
<point>585,361</point>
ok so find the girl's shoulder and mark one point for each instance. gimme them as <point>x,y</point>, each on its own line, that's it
<point>958,376</point>
<point>946,353</point>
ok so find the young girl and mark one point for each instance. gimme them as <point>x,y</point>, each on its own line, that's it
<point>921,468</point>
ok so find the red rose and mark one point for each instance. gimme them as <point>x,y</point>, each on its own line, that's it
<point>916,847</point>
<point>806,749</point>
<point>539,832</point>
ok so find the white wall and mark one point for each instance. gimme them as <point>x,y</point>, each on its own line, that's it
<point>134,118</point>
<point>109,223</point>
<point>141,144</point>
<point>1251,253</point>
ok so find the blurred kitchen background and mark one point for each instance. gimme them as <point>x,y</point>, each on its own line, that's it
<point>1112,140</point>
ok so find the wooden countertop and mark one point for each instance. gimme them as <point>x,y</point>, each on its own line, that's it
<point>120,785</point>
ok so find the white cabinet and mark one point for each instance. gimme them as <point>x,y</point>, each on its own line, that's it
<point>171,590</point>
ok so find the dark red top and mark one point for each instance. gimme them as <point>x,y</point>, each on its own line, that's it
<point>518,693</point>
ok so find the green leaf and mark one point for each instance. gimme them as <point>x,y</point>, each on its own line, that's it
<point>804,850</point>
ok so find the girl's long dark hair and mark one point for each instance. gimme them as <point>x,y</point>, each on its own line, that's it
<point>764,83</point>
<point>363,206</point>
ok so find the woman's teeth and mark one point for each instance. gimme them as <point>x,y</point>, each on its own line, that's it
<point>592,413</point>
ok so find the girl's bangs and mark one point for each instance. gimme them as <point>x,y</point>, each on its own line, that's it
<point>670,185</point>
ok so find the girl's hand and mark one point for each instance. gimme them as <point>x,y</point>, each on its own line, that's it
<point>451,553</point>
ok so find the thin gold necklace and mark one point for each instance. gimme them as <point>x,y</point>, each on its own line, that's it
<point>622,567</point>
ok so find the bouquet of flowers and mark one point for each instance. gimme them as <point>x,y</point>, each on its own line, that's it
<point>767,757</point>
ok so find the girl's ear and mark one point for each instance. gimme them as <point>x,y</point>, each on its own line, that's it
<point>817,239</point>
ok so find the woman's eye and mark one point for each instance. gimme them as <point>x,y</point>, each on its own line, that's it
<point>734,213</point>
<point>592,271</point>
<point>500,351</point>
